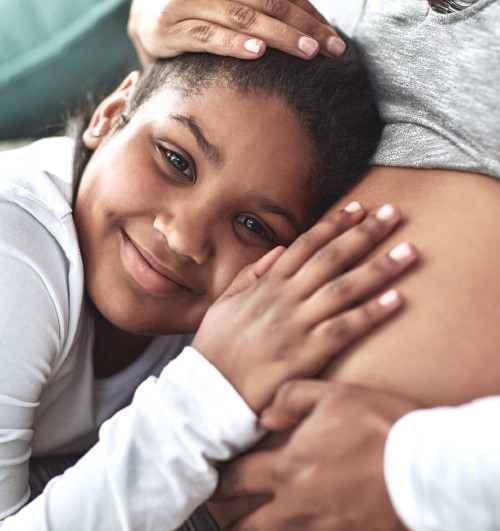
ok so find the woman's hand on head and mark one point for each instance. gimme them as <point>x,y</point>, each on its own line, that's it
<point>291,313</point>
<point>166,28</point>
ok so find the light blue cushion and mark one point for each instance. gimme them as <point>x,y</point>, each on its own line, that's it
<point>52,52</point>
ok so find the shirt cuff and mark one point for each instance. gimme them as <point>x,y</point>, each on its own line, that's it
<point>215,398</point>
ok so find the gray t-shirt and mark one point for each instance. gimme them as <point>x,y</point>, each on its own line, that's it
<point>437,77</point>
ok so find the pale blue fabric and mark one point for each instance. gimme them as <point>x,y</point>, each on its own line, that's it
<point>52,53</point>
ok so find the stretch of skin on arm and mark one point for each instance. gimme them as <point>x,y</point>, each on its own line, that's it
<point>443,348</point>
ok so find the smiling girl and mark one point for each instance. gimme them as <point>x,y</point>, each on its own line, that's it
<point>205,167</point>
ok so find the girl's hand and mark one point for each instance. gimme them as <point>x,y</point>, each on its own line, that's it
<point>166,28</point>
<point>291,313</point>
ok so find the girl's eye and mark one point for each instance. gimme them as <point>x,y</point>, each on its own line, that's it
<point>252,225</point>
<point>179,163</point>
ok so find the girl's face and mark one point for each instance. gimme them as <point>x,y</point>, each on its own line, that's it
<point>172,206</point>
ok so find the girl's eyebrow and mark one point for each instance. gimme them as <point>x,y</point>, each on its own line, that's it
<point>211,152</point>
<point>265,204</point>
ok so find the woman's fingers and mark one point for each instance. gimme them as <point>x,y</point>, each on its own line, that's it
<point>228,27</point>
<point>292,403</point>
<point>359,283</point>
<point>285,16</point>
<point>243,29</point>
<point>254,469</point>
<point>197,35</point>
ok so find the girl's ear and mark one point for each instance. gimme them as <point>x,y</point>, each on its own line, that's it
<point>108,109</point>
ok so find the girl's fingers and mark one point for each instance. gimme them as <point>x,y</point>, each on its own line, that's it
<point>329,338</point>
<point>335,334</point>
<point>358,284</point>
<point>344,251</point>
<point>331,226</point>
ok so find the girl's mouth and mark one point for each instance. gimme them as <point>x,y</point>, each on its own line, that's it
<point>149,273</point>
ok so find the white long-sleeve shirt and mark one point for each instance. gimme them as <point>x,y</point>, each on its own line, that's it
<point>153,463</point>
<point>442,467</point>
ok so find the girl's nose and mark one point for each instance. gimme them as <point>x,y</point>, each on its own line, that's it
<point>186,234</point>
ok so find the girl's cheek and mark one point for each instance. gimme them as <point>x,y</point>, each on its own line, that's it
<point>225,272</point>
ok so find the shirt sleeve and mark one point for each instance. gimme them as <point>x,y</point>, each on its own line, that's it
<point>155,460</point>
<point>442,467</point>
<point>29,342</point>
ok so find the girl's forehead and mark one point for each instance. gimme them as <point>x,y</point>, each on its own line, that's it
<point>219,102</point>
<point>234,117</point>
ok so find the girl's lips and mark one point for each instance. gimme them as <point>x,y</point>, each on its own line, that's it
<point>146,275</point>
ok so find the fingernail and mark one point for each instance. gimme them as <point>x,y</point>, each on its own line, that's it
<point>308,46</point>
<point>401,251</point>
<point>253,45</point>
<point>353,207</point>
<point>389,298</point>
<point>335,46</point>
<point>386,213</point>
